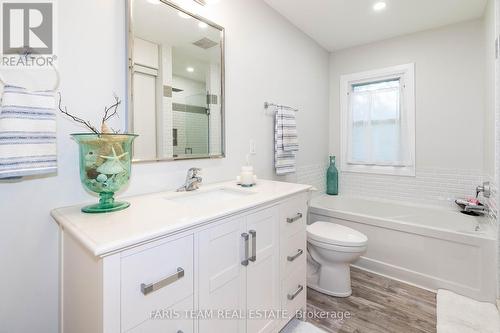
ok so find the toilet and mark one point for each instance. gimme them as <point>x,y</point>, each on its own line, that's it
<point>332,248</point>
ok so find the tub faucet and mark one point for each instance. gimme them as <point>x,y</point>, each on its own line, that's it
<point>481,210</point>
<point>193,180</point>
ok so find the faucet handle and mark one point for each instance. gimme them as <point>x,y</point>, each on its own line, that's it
<point>193,172</point>
<point>485,188</point>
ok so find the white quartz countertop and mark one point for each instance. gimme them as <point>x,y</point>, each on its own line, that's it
<point>159,214</point>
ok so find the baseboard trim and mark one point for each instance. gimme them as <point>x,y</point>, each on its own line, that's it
<point>430,283</point>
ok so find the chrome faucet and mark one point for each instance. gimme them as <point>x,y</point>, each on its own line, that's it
<point>193,180</point>
<point>478,209</point>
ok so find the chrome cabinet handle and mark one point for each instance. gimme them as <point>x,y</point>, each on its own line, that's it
<point>295,293</point>
<point>253,258</point>
<point>149,288</point>
<point>295,218</point>
<point>295,256</point>
<point>245,238</point>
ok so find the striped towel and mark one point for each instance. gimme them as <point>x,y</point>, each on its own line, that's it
<point>27,133</point>
<point>285,141</point>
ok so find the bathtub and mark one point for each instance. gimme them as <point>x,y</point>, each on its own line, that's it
<point>428,247</point>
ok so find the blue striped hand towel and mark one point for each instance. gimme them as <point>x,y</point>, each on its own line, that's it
<point>27,133</point>
<point>285,141</point>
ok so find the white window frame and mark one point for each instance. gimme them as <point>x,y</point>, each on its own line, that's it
<point>406,74</point>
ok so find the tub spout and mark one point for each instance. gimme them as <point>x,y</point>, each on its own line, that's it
<point>482,210</point>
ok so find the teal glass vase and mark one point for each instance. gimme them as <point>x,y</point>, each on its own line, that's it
<point>105,165</point>
<point>332,178</point>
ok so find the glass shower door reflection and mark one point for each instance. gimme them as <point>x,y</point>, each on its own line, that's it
<point>191,123</point>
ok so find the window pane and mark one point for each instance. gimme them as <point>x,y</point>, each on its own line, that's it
<point>375,123</point>
<point>360,150</point>
<point>360,106</point>
<point>385,142</point>
<point>385,134</point>
<point>385,105</point>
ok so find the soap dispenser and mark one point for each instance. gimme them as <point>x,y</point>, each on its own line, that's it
<point>247,177</point>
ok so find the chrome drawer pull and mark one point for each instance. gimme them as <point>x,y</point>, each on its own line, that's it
<point>292,258</point>
<point>253,258</point>
<point>295,218</point>
<point>295,293</point>
<point>245,238</point>
<point>149,288</point>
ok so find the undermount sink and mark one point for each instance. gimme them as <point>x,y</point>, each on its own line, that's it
<point>208,197</point>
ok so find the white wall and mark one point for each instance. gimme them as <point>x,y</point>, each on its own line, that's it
<point>450,110</point>
<point>266,59</point>
<point>489,91</point>
<point>495,7</point>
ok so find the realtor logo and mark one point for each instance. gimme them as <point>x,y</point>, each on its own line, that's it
<point>28,26</point>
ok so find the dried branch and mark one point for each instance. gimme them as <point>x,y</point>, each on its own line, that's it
<point>75,118</point>
<point>113,108</point>
<point>115,131</point>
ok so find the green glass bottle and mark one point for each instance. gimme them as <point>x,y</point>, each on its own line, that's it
<point>332,178</point>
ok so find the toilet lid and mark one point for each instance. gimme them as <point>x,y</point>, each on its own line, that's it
<point>335,234</point>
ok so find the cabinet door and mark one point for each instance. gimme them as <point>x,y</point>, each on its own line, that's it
<point>263,270</point>
<point>222,276</point>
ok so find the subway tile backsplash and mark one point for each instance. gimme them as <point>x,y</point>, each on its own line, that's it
<point>430,187</point>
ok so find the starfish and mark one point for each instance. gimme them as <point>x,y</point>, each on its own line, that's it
<point>114,157</point>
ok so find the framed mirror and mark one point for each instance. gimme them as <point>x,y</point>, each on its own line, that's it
<point>176,83</point>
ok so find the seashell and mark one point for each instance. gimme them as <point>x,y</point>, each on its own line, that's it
<point>91,173</point>
<point>91,156</point>
<point>102,178</point>
<point>111,167</point>
<point>105,128</point>
<point>90,159</point>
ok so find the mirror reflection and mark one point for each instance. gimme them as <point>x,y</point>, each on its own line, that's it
<point>176,83</point>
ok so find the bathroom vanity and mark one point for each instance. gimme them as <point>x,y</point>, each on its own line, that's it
<point>219,259</point>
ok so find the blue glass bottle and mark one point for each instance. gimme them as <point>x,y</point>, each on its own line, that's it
<point>332,178</point>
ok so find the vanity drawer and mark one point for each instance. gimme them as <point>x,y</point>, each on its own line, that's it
<point>171,320</point>
<point>293,253</point>
<point>293,293</point>
<point>155,279</point>
<point>293,215</point>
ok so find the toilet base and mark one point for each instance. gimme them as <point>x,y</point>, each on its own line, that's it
<point>333,279</point>
<point>328,292</point>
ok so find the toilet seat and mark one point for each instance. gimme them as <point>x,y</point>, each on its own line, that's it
<point>335,234</point>
<point>337,248</point>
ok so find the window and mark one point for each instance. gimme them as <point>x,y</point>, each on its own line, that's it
<point>378,121</point>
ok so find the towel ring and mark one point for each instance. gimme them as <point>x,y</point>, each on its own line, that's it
<point>26,52</point>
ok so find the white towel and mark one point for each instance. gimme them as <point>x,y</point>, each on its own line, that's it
<point>285,141</point>
<point>27,133</point>
<point>298,326</point>
<point>459,314</point>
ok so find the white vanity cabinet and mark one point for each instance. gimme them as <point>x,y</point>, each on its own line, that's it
<point>239,272</point>
<point>293,253</point>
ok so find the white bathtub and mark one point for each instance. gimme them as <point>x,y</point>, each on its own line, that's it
<point>428,247</point>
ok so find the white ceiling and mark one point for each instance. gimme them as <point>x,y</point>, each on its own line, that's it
<point>338,24</point>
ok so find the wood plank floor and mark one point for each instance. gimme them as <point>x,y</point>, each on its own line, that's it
<point>377,305</point>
